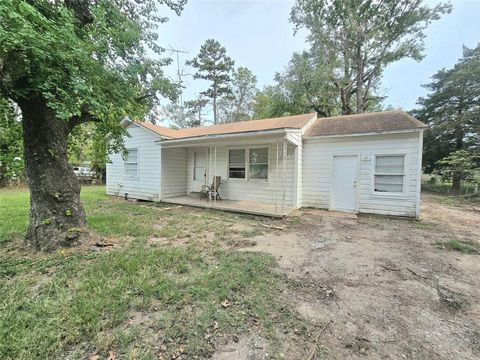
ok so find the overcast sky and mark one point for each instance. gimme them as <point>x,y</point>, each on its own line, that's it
<point>257,34</point>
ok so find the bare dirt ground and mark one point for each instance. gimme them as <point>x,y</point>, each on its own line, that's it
<point>382,286</point>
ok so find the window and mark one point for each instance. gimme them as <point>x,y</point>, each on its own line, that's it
<point>236,164</point>
<point>199,166</point>
<point>258,159</point>
<point>389,173</point>
<point>131,163</point>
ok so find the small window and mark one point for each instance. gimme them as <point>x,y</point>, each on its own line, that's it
<point>199,166</point>
<point>236,164</point>
<point>259,163</point>
<point>389,173</point>
<point>131,163</point>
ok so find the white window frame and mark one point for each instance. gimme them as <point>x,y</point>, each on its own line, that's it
<point>126,162</point>
<point>404,174</point>
<point>247,162</point>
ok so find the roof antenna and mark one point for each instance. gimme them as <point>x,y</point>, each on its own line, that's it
<point>180,72</point>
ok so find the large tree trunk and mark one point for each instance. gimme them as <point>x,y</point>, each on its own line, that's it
<point>56,213</point>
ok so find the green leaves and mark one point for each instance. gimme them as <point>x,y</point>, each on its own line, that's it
<point>213,65</point>
<point>84,55</point>
<point>462,163</point>
<point>11,145</point>
<point>352,41</point>
<point>452,110</point>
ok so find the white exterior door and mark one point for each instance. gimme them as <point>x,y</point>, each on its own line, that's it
<point>200,168</point>
<point>343,194</point>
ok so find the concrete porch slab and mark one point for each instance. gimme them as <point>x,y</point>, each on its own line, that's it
<point>244,207</point>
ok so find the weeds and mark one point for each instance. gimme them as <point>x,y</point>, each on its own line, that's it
<point>465,247</point>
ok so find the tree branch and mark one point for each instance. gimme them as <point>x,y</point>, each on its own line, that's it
<point>320,111</point>
<point>84,117</point>
<point>146,96</point>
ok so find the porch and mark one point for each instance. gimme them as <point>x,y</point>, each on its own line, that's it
<point>258,173</point>
<point>237,206</point>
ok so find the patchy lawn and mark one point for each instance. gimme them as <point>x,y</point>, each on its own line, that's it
<point>151,281</point>
<point>392,288</point>
<point>158,281</point>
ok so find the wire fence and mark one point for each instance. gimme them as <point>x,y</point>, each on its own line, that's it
<point>437,186</point>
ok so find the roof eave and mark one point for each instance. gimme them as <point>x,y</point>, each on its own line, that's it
<point>386,132</point>
<point>227,135</point>
<point>152,131</point>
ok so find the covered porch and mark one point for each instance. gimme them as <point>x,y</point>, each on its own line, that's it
<point>259,172</point>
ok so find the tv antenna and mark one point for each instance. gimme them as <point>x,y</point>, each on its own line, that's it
<point>180,72</point>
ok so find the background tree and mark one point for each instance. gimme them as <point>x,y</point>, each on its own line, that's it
<point>196,110</point>
<point>240,105</point>
<point>452,112</point>
<point>71,62</point>
<point>90,143</point>
<point>11,145</point>
<point>213,65</point>
<point>273,101</point>
<point>302,87</point>
<point>176,114</point>
<point>352,41</point>
<point>460,164</point>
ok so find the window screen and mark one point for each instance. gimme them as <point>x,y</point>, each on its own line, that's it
<point>236,164</point>
<point>259,163</point>
<point>389,173</point>
<point>131,163</point>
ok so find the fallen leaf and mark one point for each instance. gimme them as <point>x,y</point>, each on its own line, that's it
<point>226,303</point>
<point>111,356</point>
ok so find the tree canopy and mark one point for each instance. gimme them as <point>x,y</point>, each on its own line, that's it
<point>351,43</point>
<point>88,60</point>
<point>239,105</point>
<point>452,112</point>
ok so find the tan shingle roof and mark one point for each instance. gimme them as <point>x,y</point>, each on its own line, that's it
<point>287,122</point>
<point>375,122</point>
<point>160,130</point>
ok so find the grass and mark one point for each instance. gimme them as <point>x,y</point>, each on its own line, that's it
<point>465,247</point>
<point>446,188</point>
<point>14,220</point>
<point>140,300</point>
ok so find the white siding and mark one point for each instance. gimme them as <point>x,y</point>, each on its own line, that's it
<point>250,190</point>
<point>174,172</point>
<point>317,165</point>
<point>147,184</point>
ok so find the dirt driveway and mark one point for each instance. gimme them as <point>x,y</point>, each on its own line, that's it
<point>383,287</point>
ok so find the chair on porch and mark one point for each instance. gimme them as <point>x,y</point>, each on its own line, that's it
<point>211,192</point>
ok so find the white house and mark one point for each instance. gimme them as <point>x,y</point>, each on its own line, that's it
<point>368,163</point>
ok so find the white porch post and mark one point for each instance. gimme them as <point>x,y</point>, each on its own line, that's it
<point>215,174</point>
<point>210,155</point>
<point>284,159</point>
<point>276,182</point>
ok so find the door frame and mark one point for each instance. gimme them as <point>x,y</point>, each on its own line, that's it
<point>207,163</point>
<point>332,177</point>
